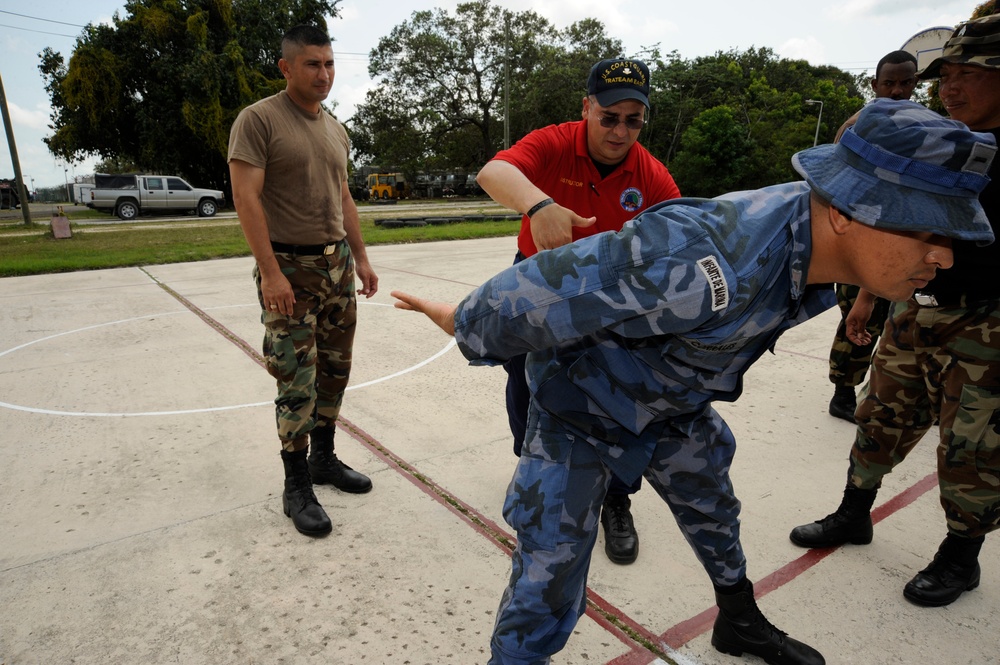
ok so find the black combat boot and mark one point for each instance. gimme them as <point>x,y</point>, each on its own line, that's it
<point>852,523</point>
<point>325,468</point>
<point>844,403</point>
<point>299,500</point>
<point>954,570</point>
<point>741,627</point>
<point>621,542</point>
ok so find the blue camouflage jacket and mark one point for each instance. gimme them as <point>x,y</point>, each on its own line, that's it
<point>632,332</point>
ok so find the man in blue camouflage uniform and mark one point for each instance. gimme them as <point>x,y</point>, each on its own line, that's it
<point>632,335</point>
<point>938,363</point>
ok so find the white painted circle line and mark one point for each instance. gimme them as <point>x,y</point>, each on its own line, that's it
<point>51,412</point>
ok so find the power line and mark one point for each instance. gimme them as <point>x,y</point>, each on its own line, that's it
<point>75,25</point>
<point>40,32</point>
<point>37,18</point>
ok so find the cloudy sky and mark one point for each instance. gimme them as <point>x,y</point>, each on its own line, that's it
<point>851,34</point>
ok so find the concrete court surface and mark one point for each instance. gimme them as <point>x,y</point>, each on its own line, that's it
<point>141,519</point>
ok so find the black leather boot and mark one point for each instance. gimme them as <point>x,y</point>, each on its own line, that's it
<point>621,542</point>
<point>325,468</point>
<point>741,627</point>
<point>844,403</point>
<point>299,500</point>
<point>954,570</point>
<point>852,523</point>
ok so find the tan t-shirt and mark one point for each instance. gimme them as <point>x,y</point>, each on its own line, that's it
<point>304,157</point>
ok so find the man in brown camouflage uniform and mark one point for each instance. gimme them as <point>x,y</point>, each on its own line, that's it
<point>895,78</point>
<point>938,360</point>
<point>288,160</point>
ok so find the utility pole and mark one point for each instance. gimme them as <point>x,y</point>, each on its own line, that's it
<point>25,213</point>
<point>506,83</point>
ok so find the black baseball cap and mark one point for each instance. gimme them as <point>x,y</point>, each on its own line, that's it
<point>617,79</point>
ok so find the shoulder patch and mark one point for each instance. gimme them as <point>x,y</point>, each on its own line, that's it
<point>713,273</point>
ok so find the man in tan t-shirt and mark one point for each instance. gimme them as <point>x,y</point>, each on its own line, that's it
<point>288,162</point>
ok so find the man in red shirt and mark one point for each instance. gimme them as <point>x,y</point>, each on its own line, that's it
<point>574,180</point>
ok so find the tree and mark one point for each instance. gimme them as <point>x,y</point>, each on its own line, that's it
<point>161,86</point>
<point>440,95</point>
<point>733,120</point>
<point>716,153</point>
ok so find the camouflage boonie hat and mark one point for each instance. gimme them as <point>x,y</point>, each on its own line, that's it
<point>903,167</point>
<point>974,43</point>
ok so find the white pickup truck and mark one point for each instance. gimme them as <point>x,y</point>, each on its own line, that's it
<point>128,196</point>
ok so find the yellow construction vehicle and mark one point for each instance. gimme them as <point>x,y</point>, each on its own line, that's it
<point>387,186</point>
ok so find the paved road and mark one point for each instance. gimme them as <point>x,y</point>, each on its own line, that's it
<point>42,212</point>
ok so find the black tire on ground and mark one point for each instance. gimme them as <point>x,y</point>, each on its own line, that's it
<point>207,208</point>
<point>127,210</point>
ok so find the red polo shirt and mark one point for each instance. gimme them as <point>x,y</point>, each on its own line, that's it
<point>556,160</point>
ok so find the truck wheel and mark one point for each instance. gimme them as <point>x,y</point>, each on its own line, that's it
<point>206,208</point>
<point>385,195</point>
<point>127,210</point>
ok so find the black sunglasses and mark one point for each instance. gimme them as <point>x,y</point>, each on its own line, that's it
<point>612,121</point>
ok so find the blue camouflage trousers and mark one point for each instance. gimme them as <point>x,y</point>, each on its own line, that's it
<point>937,364</point>
<point>309,353</point>
<point>553,503</point>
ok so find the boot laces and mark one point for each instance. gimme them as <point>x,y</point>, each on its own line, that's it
<point>845,514</point>
<point>618,515</point>
<point>302,485</point>
<point>328,460</point>
<point>767,626</point>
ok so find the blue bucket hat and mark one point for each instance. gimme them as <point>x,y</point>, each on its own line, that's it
<point>903,167</point>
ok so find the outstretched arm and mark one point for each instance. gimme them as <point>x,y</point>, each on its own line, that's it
<point>441,313</point>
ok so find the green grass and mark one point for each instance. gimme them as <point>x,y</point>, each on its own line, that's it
<point>32,250</point>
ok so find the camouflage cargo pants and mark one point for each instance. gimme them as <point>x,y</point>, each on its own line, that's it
<point>849,362</point>
<point>554,502</point>
<point>309,353</point>
<point>938,363</point>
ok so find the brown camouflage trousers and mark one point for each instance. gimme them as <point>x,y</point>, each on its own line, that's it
<point>309,353</point>
<point>937,364</point>
<point>849,362</point>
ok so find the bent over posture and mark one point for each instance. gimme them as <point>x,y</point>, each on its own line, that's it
<point>632,335</point>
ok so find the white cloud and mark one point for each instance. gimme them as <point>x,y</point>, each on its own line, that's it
<point>803,48</point>
<point>37,119</point>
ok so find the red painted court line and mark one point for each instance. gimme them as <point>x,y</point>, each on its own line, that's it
<point>479,522</point>
<point>687,630</point>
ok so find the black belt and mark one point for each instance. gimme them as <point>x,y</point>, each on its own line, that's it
<point>303,250</point>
